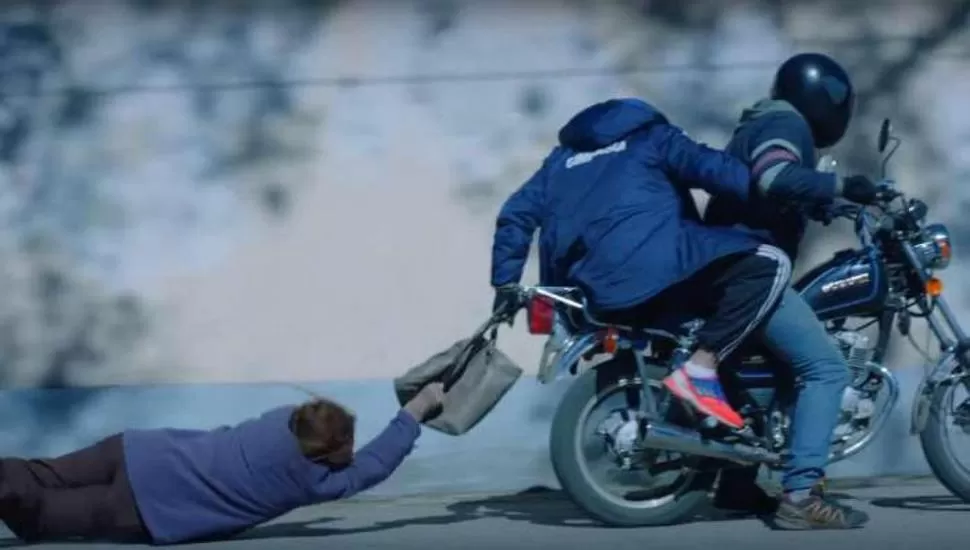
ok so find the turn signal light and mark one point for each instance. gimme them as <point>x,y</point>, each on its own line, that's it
<point>610,338</point>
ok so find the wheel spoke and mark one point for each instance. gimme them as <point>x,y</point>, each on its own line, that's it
<point>654,477</point>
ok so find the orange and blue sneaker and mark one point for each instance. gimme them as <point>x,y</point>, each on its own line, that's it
<point>705,395</point>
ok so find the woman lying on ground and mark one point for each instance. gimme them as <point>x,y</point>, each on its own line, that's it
<point>169,486</point>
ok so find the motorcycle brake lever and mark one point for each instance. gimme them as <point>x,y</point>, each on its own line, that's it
<point>887,191</point>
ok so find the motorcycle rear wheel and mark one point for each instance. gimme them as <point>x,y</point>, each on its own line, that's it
<point>567,441</point>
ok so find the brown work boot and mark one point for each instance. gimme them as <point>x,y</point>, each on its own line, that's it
<point>817,512</point>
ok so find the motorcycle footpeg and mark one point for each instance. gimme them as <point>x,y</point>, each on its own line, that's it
<point>712,429</point>
<point>748,435</point>
<point>716,430</point>
<point>710,423</point>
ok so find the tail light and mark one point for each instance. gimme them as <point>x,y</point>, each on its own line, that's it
<point>542,315</point>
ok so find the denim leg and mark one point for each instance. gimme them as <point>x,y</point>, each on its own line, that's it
<point>798,338</point>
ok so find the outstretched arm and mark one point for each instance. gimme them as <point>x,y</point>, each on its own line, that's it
<point>702,167</point>
<point>374,462</point>
<point>779,163</point>
<point>517,222</point>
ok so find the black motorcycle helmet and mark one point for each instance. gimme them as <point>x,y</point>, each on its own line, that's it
<point>820,89</point>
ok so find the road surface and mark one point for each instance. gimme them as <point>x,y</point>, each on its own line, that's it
<point>920,515</point>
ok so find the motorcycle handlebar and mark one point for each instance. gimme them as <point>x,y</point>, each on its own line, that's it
<point>850,210</point>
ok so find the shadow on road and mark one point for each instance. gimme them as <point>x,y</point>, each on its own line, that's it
<point>310,528</point>
<point>539,506</point>
<point>542,506</point>
<point>935,503</point>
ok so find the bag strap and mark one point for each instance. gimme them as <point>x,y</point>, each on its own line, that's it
<point>490,327</point>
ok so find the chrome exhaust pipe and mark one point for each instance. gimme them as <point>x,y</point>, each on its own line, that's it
<point>668,437</point>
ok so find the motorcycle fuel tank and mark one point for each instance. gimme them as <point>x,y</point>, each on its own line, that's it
<point>851,283</point>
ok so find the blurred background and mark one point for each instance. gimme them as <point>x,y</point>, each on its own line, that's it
<point>293,190</point>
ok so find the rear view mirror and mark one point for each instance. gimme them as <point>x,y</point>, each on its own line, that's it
<point>885,132</point>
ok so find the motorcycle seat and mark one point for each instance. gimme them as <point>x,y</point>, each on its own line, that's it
<point>678,323</point>
<point>674,323</point>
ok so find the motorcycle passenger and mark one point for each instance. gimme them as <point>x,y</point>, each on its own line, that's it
<point>616,218</point>
<point>811,104</point>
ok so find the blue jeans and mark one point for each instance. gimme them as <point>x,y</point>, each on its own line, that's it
<point>798,338</point>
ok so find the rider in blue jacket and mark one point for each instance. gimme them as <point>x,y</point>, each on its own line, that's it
<point>810,107</point>
<point>617,219</point>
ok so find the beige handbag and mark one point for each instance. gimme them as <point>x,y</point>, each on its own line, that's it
<point>476,375</point>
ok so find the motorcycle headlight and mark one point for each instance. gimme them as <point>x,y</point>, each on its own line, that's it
<point>935,247</point>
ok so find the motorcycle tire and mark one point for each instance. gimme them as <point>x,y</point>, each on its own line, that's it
<point>567,427</point>
<point>951,474</point>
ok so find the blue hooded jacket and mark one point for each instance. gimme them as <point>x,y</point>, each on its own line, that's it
<point>614,208</point>
<point>198,484</point>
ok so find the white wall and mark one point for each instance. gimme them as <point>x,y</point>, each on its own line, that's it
<point>395,146</point>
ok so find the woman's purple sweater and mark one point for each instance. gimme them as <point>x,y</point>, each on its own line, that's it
<point>195,484</point>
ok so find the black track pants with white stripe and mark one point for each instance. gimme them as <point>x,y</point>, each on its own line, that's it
<point>734,295</point>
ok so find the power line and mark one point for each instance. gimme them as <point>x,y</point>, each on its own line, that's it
<point>357,81</point>
<point>446,78</point>
<point>360,81</point>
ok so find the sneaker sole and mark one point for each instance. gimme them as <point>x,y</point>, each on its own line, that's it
<point>674,384</point>
<point>798,524</point>
<point>802,525</point>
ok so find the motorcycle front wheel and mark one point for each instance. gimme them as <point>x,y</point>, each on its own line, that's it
<point>660,489</point>
<point>945,411</point>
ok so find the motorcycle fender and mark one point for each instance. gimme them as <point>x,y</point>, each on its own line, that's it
<point>921,409</point>
<point>924,395</point>
<point>559,364</point>
<point>921,404</point>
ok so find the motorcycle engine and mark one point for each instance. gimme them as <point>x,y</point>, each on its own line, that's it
<point>858,405</point>
<point>858,399</point>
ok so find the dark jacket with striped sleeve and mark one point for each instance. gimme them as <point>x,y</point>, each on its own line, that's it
<point>775,141</point>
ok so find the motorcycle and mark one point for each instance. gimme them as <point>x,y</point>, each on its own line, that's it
<point>630,454</point>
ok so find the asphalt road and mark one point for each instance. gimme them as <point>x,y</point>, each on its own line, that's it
<point>903,517</point>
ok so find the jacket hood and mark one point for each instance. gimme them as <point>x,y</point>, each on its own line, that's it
<point>604,123</point>
<point>766,106</point>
